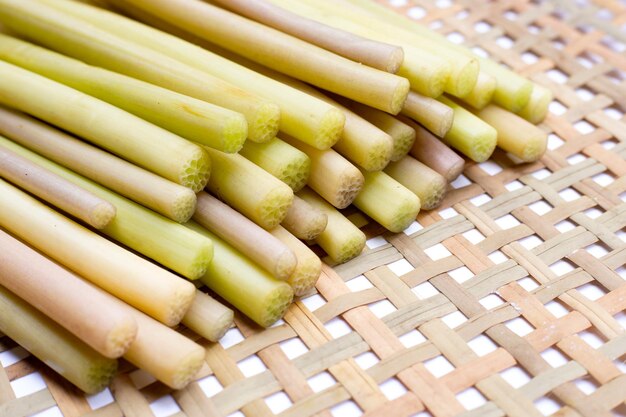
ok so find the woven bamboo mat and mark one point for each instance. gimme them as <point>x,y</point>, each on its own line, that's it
<point>509,300</point>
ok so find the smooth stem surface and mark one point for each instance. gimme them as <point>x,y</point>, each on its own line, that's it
<point>304,117</point>
<point>374,54</point>
<point>402,134</point>
<point>244,284</point>
<point>430,113</point>
<point>87,312</point>
<point>208,317</point>
<point>52,344</point>
<point>423,181</point>
<point>483,91</point>
<point>245,236</point>
<point>134,280</point>
<point>515,134</point>
<point>150,234</point>
<point>332,176</point>
<point>166,354</point>
<point>280,159</point>
<point>122,133</point>
<point>341,239</point>
<point>537,108</point>
<point>249,189</point>
<point>431,151</point>
<point>469,134</point>
<point>309,266</point>
<point>304,221</point>
<point>150,190</point>
<point>188,117</point>
<point>387,201</point>
<point>52,24</point>
<point>57,191</point>
<point>282,52</point>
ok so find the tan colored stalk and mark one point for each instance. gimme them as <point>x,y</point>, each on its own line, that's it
<point>424,182</point>
<point>483,91</point>
<point>245,236</point>
<point>429,71</point>
<point>107,126</point>
<point>512,91</point>
<point>469,134</point>
<point>150,234</point>
<point>166,354</point>
<point>341,239</point>
<point>332,176</point>
<point>430,113</point>
<point>150,190</point>
<point>282,52</point>
<point>515,134</point>
<point>537,108</point>
<point>138,282</point>
<point>375,54</point>
<point>431,151</point>
<point>402,134</point>
<point>280,159</point>
<point>84,310</point>
<point>249,189</point>
<point>55,346</point>
<point>304,221</point>
<point>47,23</point>
<point>244,284</point>
<point>208,317</point>
<point>188,117</point>
<point>387,201</point>
<point>309,266</point>
<point>302,116</point>
<point>57,191</point>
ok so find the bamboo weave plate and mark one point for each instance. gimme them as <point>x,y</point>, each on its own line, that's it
<point>512,294</point>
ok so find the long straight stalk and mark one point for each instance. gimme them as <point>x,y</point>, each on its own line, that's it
<point>244,284</point>
<point>537,108</point>
<point>48,24</point>
<point>84,310</point>
<point>150,234</point>
<point>402,134</point>
<point>304,221</point>
<point>332,176</point>
<point>134,280</point>
<point>309,265</point>
<point>163,352</point>
<point>188,117</point>
<point>431,151</point>
<point>52,344</point>
<point>304,117</point>
<point>249,189</point>
<point>208,317</point>
<point>282,52</point>
<point>245,236</point>
<point>375,54</point>
<point>430,113</point>
<point>107,126</point>
<point>469,134</point>
<point>515,134</point>
<point>483,91</point>
<point>387,201</point>
<point>150,190</point>
<point>280,159</point>
<point>423,181</point>
<point>57,191</point>
<point>341,239</point>
<point>512,90</point>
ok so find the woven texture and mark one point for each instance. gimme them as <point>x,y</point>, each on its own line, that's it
<point>508,300</point>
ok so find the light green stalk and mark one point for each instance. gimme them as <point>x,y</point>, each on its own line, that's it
<point>280,159</point>
<point>158,238</point>
<point>208,317</point>
<point>54,346</point>
<point>242,283</point>
<point>424,182</point>
<point>483,91</point>
<point>430,113</point>
<point>537,108</point>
